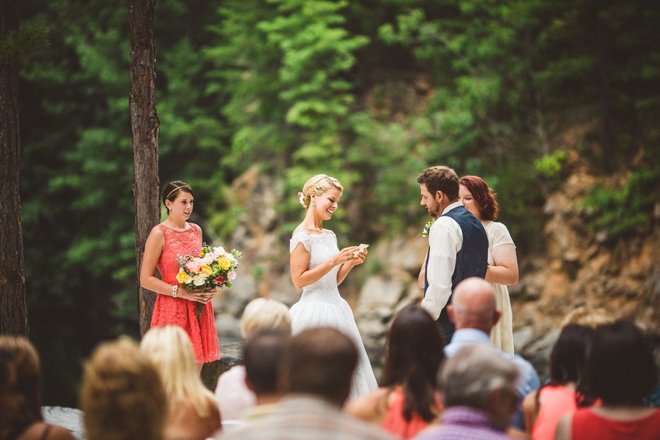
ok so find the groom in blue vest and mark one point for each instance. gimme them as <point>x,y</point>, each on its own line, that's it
<point>458,245</point>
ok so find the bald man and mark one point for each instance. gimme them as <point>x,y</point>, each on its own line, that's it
<point>474,313</point>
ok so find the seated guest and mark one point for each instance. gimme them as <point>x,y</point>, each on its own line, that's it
<point>193,412</point>
<point>122,396</point>
<point>474,313</point>
<point>231,393</point>
<point>21,395</point>
<point>406,402</point>
<point>317,370</point>
<point>621,373</point>
<point>262,356</point>
<point>478,389</point>
<point>559,396</point>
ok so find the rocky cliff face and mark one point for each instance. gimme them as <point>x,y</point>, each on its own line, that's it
<point>573,268</point>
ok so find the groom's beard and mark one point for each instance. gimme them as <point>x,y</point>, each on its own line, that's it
<point>434,210</point>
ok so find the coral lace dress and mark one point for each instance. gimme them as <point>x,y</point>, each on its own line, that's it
<point>179,311</point>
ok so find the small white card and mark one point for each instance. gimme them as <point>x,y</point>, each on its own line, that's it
<point>361,248</point>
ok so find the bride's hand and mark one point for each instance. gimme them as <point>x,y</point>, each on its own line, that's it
<point>346,255</point>
<point>359,257</point>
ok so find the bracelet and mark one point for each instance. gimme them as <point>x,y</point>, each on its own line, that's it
<point>174,291</point>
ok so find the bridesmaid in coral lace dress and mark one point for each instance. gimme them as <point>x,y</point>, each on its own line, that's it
<point>174,304</point>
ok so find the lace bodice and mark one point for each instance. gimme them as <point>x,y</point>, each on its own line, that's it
<point>177,243</point>
<point>321,247</point>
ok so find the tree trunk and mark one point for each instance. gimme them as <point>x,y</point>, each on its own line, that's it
<point>144,135</point>
<point>13,306</point>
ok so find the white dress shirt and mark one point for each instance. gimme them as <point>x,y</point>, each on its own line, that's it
<point>445,241</point>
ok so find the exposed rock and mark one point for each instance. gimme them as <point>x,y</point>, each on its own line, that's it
<point>574,267</point>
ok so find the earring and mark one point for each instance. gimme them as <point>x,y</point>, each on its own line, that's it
<point>314,206</point>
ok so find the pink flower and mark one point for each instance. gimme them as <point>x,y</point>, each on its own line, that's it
<point>231,275</point>
<point>193,266</point>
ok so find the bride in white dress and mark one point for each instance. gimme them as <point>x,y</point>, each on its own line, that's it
<point>318,267</point>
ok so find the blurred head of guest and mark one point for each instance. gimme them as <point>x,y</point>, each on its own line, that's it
<point>262,356</point>
<point>479,378</point>
<point>5,407</point>
<point>263,313</point>
<point>193,412</point>
<point>20,393</point>
<point>474,306</point>
<point>233,396</point>
<point>568,357</point>
<point>122,396</point>
<point>620,367</point>
<point>23,381</point>
<point>414,354</point>
<point>320,362</point>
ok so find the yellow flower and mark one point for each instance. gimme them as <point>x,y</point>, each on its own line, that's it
<point>182,277</point>
<point>206,269</point>
<point>223,263</point>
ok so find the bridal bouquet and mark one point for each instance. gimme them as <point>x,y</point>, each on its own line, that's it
<point>214,267</point>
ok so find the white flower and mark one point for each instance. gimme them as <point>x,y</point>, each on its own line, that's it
<point>199,280</point>
<point>219,250</point>
<point>231,275</point>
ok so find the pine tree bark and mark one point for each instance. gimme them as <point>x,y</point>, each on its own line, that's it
<point>144,134</point>
<point>13,306</point>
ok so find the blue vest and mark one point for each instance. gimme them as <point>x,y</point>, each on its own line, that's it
<point>472,259</point>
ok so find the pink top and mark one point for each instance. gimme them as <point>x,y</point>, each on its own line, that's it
<point>587,425</point>
<point>555,400</point>
<point>396,423</point>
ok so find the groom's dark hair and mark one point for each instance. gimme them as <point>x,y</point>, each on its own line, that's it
<point>440,178</point>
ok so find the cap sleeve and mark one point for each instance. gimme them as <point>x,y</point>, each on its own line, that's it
<point>500,235</point>
<point>300,237</point>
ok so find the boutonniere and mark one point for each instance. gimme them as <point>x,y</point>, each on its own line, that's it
<point>427,228</point>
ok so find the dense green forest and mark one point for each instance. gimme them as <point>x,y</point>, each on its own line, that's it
<point>369,91</point>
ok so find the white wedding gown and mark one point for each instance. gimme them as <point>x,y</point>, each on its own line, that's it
<point>321,305</point>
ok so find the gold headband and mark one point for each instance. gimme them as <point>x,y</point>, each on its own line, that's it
<point>178,187</point>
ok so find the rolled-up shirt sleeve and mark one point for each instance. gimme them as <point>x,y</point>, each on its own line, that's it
<point>445,240</point>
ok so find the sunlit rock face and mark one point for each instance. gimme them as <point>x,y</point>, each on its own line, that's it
<point>571,267</point>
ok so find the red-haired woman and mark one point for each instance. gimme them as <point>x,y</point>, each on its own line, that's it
<point>502,270</point>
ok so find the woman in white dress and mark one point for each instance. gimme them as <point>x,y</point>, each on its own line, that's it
<point>502,270</point>
<point>318,267</point>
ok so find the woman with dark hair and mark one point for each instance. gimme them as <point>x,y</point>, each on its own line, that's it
<point>502,270</point>
<point>175,305</point>
<point>620,372</point>
<point>560,395</point>
<point>20,394</point>
<point>407,400</point>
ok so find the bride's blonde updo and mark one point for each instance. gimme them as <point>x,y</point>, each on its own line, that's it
<point>318,184</point>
